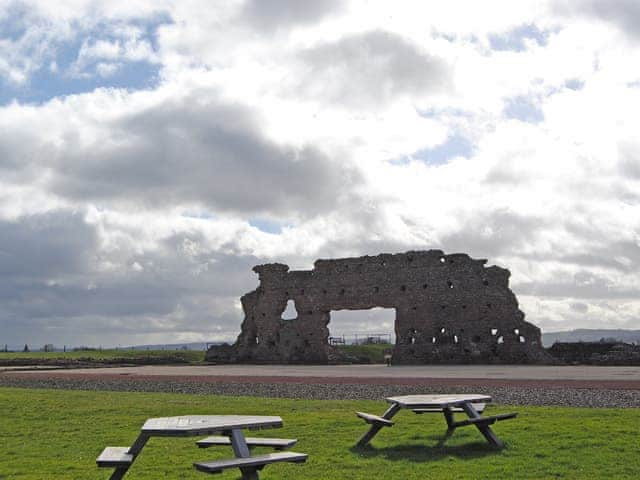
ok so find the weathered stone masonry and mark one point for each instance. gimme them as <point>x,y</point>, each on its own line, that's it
<point>449,309</point>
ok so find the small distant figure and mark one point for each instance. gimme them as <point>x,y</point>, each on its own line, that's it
<point>387,358</point>
<point>26,348</point>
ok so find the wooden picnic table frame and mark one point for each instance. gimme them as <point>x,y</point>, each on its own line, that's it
<point>445,404</point>
<point>195,425</point>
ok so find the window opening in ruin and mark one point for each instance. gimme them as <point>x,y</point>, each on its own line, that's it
<point>522,339</point>
<point>516,331</point>
<point>366,326</point>
<point>500,339</point>
<point>433,339</point>
<point>455,339</point>
<point>442,330</point>
<point>442,260</point>
<point>290,312</point>
<point>494,331</point>
<point>449,283</point>
<point>257,340</point>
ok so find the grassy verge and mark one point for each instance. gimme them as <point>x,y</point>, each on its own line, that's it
<point>140,357</point>
<point>58,434</point>
<point>373,353</point>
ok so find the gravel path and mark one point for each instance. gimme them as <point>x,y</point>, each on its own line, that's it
<point>506,395</point>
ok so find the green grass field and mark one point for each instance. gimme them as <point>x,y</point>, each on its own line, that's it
<point>57,434</point>
<point>368,353</point>
<point>365,353</point>
<point>105,356</point>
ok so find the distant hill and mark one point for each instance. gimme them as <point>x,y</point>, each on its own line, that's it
<point>590,335</point>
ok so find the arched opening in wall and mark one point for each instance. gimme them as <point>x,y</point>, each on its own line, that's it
<point>371,326</point>
<point>290,312</point>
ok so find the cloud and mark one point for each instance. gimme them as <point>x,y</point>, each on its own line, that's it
<point>371,68</point>
<point>629,158</point>
<point>276,14</point>
<point>165,151</point>
<point>625,14</point>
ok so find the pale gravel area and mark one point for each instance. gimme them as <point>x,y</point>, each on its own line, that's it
<point>570,397</point>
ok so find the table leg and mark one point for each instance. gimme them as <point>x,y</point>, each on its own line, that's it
<point>448,416</point>
<point>241,450</point>
<point>135,449</point>
<point>118,473</point>
<point>484,429</point>
<point>375,428</point>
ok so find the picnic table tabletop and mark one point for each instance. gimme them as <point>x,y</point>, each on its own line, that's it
<point>437,401</point>
<point>193,425</point>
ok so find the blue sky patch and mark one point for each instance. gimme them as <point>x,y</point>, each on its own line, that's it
<point>524,109</point>
<point>574,84</point>
<point>267,226</point>
<point>455,145</point>
<point>60,74</point>
<point>515,39</point>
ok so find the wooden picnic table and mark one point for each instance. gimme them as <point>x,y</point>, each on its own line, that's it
<point>230,426</point>
<point>471,404</point>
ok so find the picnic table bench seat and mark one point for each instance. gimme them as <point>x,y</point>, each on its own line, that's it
<point>479,407</point>
<point>375,419</point>
<point>490,420</point>
<point>277,443</point>
<point>115,457</point>
<point>258,462</point>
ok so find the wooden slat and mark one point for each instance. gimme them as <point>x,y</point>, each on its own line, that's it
<point>218,466</point>
<point>192,425</point>
<point>437,401</point>
<point>374,419</point>
<point>479,407</point>
<point>115,457</point>
<point>278,443</point>
<point>485,420</point>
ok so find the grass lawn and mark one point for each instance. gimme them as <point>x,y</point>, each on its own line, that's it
<point>57,434</point>
<point>369,353</point>
<point>97,356</point>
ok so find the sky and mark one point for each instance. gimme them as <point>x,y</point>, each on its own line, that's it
<point>152,152</point>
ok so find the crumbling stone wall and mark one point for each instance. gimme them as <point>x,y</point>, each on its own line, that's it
<point>449,309</point>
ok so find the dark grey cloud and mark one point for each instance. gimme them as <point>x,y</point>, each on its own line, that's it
<point>60,286</point>
<point>46,245</point>
<point>371,68</point>
<point>198,150</point>
<point>625,14</point>
<point>274,14</point>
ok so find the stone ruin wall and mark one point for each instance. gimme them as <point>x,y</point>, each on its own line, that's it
<point>449,309</point>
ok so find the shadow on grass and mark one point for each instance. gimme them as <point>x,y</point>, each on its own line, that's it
<point>422,453</point>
